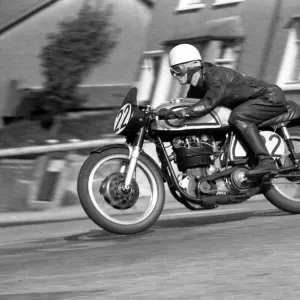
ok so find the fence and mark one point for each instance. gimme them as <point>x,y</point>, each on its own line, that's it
<point>46,187</point>
<point>13,152</point>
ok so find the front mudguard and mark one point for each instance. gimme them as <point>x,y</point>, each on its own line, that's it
<point>124,146</point>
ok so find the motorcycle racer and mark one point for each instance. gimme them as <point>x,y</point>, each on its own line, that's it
<point>252,101</point>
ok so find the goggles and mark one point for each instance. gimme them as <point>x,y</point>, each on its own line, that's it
<point>178,70</point>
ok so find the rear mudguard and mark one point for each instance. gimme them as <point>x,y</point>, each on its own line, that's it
<point>124,146</point>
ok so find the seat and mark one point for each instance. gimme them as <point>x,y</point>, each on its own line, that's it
<point>292,114</point>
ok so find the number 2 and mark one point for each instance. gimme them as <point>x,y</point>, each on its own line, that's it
<point>277,144</point>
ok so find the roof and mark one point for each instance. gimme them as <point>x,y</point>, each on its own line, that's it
<point>13,12</point>
<point>223,28</point>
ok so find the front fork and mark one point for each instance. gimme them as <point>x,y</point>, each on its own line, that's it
<point>134,153</point>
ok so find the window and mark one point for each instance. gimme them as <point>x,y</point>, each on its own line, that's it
<point>154,79</point>
<point>227,54</point>
<point>289,73</point>
<point>149,70</point>
<point>223,53</point>
<point>225,2</point>
<point>185,5</point>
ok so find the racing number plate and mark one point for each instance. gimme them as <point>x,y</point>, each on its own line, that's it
<point>122,118</point>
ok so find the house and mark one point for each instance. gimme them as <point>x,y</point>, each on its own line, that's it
<point>258,38</point>
<point>24,26</point>
<point>255,37</point>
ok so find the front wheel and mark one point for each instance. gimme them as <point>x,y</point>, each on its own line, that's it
<point>100,187</point>
<point>284,193</point>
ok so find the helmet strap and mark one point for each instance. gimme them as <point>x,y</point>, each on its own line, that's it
<point>192,71</point>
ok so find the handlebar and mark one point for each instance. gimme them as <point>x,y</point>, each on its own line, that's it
<point>148,110</point>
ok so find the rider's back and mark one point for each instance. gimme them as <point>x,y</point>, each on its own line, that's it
<point>237,87</point>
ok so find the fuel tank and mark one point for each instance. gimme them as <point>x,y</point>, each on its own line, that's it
<point>218,118</point>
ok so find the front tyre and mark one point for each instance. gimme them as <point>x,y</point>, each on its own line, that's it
<point>284,193</point>
<point>100,192</point>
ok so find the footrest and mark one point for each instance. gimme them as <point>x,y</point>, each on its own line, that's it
<point>261,173</point>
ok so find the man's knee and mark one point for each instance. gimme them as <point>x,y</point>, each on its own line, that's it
<point>277,94</point>
<point>275,88</point>
<point>237,120</point>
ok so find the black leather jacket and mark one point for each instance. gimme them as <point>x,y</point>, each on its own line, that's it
<point>227,87</point>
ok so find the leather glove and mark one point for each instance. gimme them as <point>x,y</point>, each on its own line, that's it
<point>167,114</point>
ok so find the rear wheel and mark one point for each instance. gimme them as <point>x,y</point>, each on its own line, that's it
<point>101,193</point>
<point>284,193</point>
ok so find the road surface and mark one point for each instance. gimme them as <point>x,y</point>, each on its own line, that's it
<point>256,258</point>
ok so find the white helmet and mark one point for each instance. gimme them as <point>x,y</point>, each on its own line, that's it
<point>183,53</point>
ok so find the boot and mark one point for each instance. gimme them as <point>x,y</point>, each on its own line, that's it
<point>266,164</point>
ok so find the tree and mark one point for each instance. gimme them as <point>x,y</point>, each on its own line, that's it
<point>80,44</point>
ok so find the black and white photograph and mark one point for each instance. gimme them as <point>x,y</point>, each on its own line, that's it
<point>149,149</point>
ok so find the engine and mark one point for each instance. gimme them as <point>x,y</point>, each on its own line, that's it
<point>194,156</point>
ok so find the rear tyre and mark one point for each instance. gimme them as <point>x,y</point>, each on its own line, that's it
<point>285,193</point>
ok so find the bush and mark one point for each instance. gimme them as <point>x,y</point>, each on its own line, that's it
<point>29,133</point>
<point>70,54</point>
<point>81,44</point>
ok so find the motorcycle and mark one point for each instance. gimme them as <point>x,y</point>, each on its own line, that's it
<point>203,162</point>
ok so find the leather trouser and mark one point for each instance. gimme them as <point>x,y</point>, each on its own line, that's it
<point>245,118</point>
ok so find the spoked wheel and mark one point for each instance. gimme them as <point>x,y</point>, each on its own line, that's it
<point>284,192</point>
<point>105,200</point>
